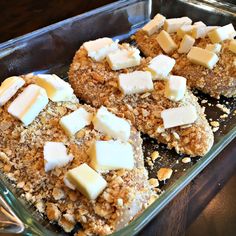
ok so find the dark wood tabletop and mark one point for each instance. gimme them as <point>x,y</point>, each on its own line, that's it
<point>207,205</point>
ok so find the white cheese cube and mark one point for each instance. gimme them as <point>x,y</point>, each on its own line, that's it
<point>175,88</point>
<point>87,181</point>
<point>160,66</point>
<point>154,25</point>
<point>186,44</point>
<point>172,25</point>
<point>199,23</point>
<point>112,125</point>
<point>216,47</point>
<point>199,31</point>
<point>232,46</point>
<point>202,57</point>
<point>165,41</point>
<point>222,33</point>
<point>57,89</point>
<point>76,121</point>
<point>55,155</point>
<point>99,48</point>
<point>9,87</point>
<point>124,58</point>
<point>29,104</point>
<point>174,117</point>
<point>185,29</point>
<point>135,82</point>
<point>111,155</point>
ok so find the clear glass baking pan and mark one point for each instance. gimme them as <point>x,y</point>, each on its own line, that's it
<point>51,49</point>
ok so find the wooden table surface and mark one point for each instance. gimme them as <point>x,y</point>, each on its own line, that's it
<point>207,205</point>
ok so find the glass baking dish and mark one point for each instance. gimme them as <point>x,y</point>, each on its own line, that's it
<point>51,50</point>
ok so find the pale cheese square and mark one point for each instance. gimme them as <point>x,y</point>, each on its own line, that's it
<point>9,87</point>
<point>135,82</point>
<point>111,155</point>
<point>57,89</point>
<point>87,181</point>
<point>29,104</point>
<point>216,47</point>
<point>99,48</point>
<point>222,33</point>
<point>178,116</point>
<point>166,43</point>
<point>173,24</point>
<point>76,121</point>
<point>55,155</point>
<point>186,44</point>
<point>111,125</point>
<point>124,58</point>
<point>160,66</point>
<point>175,88</point>
<point>203,57</point>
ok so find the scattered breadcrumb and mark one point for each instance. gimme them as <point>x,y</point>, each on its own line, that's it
<point>224,116</point>
<point>215,123</point>
<point>164,173</point>
<point>215,129</point>
<point>155,155</point>
<point>186,160</point>
<point>154,182</point>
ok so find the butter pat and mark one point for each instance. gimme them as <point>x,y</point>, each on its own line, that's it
<point>160,66</point>
<point>99,48</point>
<point>185,29</point>
<point>9,87</point>
<point>135,82</point>
<point>112,125</point>
<point>87,181</point>
<point>29,104</point>
<point>154,25</point>
<point>172,25</point>
<point>186,44</point>
<point>55,155</point>
<point>166,42</point>
<point>124,58</point>
<point>199,31</point>
<point>57,89</point>
<point>75,121</point>
<point>232,46</point>
<point>216,47</point>
<point>111,155</point>
<point>175,88</point>
<point>222,33</point>
<point>202,57</point>
<point>174,117</point>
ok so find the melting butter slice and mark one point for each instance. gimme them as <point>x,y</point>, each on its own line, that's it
<point>29,104</point>
<point>76,121</point>
<point>216,47</point>
<point>160,66</point>
<point>135,82</point>
<point>112,125</point>
<point>124,58</point>
<point>9,87</point>
<point>165,41</point>
<point>154,25</point>
<point>111,155</point>
<point>175,88</point>
<point>55,155</point>
<point>99,48</point>
<point>202,57</point>
<point>222,33</point>
<point>87,181</point>
<point>185,29</point>
<point>174,117</point>
<point>57,89</point>
<point>232,46</point>
<point>173,24</point>
<point>186,44</point>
